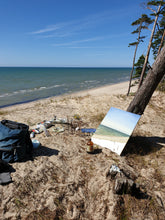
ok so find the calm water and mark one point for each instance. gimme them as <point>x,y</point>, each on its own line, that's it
<point>24,84</point>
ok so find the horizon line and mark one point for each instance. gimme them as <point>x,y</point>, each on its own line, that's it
<point>67,66</point>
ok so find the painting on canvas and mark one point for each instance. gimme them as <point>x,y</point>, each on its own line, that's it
<point>115,129</point>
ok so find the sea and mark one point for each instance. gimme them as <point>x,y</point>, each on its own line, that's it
<point>25,84</point>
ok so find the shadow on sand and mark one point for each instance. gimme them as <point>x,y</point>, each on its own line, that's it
<point>44,151</point>
<point>142,145</point>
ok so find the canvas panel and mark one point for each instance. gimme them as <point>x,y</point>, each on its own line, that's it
<point>115,129</point>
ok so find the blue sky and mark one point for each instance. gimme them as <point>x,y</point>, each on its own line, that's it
<point>78,33</point>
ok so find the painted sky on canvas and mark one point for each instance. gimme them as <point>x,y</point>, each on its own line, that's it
<point>88,33</point>
<point>120,120</point>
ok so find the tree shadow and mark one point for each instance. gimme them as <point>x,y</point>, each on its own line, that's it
<point>44,151</point>
<point>141,145</point>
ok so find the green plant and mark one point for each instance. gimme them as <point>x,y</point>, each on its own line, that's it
<point>77,116</point>
<point>3,112</point>
<point>98,118</point>
<point>19,203</point>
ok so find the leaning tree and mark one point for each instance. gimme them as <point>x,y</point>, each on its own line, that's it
<point>144,93</point>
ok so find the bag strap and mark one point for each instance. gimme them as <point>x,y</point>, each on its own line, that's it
<point>15,125</point>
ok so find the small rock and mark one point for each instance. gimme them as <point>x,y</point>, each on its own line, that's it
<point>50,203</point>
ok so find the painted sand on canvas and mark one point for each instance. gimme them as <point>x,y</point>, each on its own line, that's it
<point>115,129</point>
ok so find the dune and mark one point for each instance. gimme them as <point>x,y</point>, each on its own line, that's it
<point>64,181</point>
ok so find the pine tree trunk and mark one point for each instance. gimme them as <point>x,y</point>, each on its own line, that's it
<point>161,43</point>
<point>144,93</point>
<point>149,47</point>
<point>129,87</point>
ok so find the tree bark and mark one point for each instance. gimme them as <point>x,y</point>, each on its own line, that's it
<point>144,93</point>
<point>149,47</point>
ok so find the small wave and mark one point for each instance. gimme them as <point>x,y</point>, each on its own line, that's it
<point>23,91</point>
<point>90,81</point>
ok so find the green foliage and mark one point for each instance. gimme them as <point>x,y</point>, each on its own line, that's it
<point>143,19</point>
<point>133,44</point>
<point>143,22</point>
<point>139,67</point>
<point>156,3</point>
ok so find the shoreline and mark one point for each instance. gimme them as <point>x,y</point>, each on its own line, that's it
<point>91,105</point>
<point>36,84</point>
<point>109,89</point>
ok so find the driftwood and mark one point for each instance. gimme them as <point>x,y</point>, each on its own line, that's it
<point>124,185</point>
<point>124,180</point>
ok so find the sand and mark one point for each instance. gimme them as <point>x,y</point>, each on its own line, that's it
<point>65,182</point>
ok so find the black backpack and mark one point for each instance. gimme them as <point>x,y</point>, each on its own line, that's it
<point>15,142</point>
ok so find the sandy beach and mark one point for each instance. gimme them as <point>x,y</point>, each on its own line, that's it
<point>64,181</point>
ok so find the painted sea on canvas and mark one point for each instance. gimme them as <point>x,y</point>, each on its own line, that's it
<point>25,84</point>
<point>109,132</point>
<point>115,129</point>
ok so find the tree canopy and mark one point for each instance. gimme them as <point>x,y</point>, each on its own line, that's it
<point>143,22</point>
